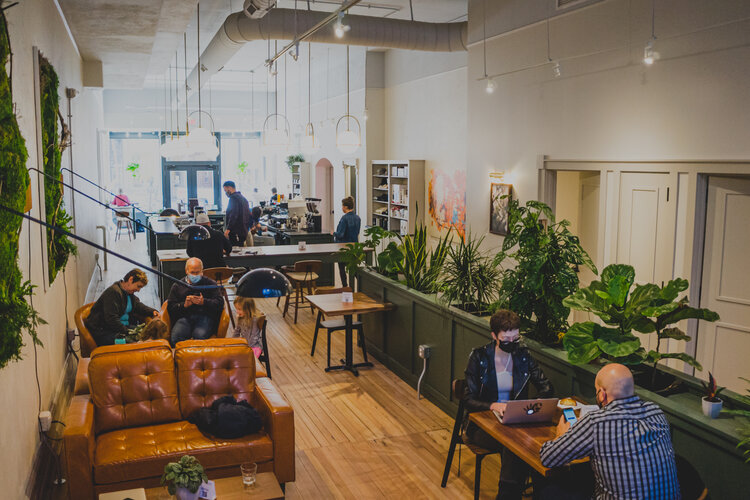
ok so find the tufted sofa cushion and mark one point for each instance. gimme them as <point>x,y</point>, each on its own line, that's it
<point>213,368</point>
<point>133,385</point>
<point>132,454</point>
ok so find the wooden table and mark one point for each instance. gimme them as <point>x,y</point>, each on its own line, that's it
<point>331,305</point>
<point>266,487</point>
<point>523,440</point>
<point>172,262</point>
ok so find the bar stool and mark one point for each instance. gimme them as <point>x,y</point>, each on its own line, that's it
<point>123,221</point>
<point>335,325</point>
<point>221,275</point>
<point>303,275</point>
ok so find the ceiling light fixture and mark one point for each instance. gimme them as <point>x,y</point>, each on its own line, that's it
<point>348,141</point>
<point>649,55</point>
<point>490,88</point>
<point>276,139</point>
<point>339,27</point>
<point>556,69</point>
<point>309,144</point>
<point>201,144</point>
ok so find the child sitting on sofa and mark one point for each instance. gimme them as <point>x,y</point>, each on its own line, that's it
<point>248,321</point>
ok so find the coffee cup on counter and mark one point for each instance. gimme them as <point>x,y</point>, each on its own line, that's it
<point>302,245</point>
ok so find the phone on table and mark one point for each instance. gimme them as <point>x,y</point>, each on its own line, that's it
<point>570,415</point>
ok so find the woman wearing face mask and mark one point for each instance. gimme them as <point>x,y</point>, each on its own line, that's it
<point>498,372</point>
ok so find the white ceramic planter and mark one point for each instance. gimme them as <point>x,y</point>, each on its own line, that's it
<point>185,494</point>
<point>711,409</point>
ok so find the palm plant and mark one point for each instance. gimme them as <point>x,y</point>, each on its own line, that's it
<point>470,278</point>
<point>420,268</point>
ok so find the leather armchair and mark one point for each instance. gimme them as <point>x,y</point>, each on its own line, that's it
<point>221,330</point>
<point>134,422</point>
<point>88,343</point>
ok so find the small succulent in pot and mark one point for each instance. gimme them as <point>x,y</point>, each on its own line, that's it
<point>188,473</point>
<point>711,402</point>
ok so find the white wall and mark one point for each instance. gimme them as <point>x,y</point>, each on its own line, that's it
<point>694,103</point>
<point>18,393</point>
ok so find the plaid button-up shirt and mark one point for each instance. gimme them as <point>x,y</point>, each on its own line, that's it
<point>630,449</point>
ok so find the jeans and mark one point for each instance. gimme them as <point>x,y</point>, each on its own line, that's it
<point>513,470</point>
<point>194,326</point>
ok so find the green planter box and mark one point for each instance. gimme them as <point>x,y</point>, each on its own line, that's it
<point>394,337</point>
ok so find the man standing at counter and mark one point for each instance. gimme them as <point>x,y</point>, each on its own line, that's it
<point>347,231</point>
<point>238,215</point>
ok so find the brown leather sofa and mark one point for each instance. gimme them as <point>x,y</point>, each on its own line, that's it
<point>134,421</point>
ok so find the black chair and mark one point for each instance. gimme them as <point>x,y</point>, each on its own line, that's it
<point>458,439</point>
<point>264,356</point>
<point>335,325</point>
<point>692,486</point>
<point>169,212</point>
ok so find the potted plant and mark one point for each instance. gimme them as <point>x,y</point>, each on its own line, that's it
<point>711,403</point>
<point>184,478</point>
<point>470,278</point>
<point>546,260</point>
<point>624,309</point>
<point>292,159</point>
<point>744,430</point>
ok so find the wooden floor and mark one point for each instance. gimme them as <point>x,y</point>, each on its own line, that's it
<point>356,437</point>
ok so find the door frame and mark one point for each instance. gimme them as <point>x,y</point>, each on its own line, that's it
<point>690,178</point>
<point>191,167</point>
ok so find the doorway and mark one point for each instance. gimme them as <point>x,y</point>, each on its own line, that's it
<point>351,170</point>
<point>324,191</point>
<point>723,346</point>
<point>183,182</point>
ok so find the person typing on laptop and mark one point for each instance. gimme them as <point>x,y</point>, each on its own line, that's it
<point>498,372</point>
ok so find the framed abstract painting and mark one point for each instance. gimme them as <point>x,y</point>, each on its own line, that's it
<point>500,196</point>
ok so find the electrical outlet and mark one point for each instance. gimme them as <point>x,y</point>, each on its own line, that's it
<point>45,420</point>
<point>71,334</point>
<point>425,351</point>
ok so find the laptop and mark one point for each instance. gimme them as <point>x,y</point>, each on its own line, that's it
<point>526,411</point>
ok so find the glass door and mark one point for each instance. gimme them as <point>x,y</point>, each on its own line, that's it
<point>196,181</point>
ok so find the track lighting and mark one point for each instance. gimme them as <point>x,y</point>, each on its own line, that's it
<point>556,70</point>
<point>339,27</point>
<point>490,88</point>
<point>649,56</point>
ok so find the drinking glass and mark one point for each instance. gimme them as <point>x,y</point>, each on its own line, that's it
<point>249,471</point>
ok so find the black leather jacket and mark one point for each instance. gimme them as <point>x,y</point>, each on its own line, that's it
<point>481,379</point>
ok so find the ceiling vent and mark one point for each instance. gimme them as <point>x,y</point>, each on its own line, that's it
<point>255,9</point>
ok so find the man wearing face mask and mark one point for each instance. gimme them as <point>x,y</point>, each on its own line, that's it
<point>237,216</point>
<point>627,440</point>
<point>194,314</point>
<point>498,372</point>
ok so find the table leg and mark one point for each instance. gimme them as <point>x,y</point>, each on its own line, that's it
<point>348,363</point>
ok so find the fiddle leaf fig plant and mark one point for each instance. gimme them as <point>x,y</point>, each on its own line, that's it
<point>187,473</point>
<point>624,309</point>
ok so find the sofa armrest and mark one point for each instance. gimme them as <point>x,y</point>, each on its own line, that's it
<point>80,442</point>
<point>278,418</point>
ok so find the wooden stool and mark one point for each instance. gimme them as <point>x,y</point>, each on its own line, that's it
<point>303,275</point>
<point>220,275</point>
<point>123,221</point>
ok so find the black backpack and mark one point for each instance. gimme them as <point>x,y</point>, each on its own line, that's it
<point>227,418</point>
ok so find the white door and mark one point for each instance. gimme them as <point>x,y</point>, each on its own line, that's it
<point>724,346</point>
<point>645,231</point>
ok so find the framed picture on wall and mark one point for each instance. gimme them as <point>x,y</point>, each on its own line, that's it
<point>500,195</point>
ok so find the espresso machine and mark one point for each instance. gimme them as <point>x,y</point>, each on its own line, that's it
<point>313,218</point>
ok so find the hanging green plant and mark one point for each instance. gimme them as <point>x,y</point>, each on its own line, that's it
<point>15,311</point>
<point>292,159</point>
<point>133,168</point>
<point>59,247</point>
<point>242,166</point>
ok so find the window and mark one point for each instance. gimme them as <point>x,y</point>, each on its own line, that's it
<point>135,167</point>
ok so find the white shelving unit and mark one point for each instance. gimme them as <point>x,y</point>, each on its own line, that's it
<point>300,180</point>
<point>395,188</point>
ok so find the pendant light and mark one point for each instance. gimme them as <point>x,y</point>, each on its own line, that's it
<point>649,54</point>
<point>490,87</point>
<point>348,141</point>
<point>201,144</point>
<point>167,148</point>
<point>276,139</point>
<point>309,143</point>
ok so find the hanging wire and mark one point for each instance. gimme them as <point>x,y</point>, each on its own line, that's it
<point>548,51</point>
<point>198,30</point>
<point>176,91</point>
<point>347,87</point>
<point>411,9</point>
<point>168,84</point>
<point>653,19</point>
<point>252,99</point>
<point>187,114</point>
<point>484,30</point>
<point>276,90</point>
<point>309,80</point>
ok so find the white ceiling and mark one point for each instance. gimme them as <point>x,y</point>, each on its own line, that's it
<point>136,40</point>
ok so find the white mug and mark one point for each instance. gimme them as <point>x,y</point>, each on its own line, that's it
<point>347,297</point>
<point>302,245</point>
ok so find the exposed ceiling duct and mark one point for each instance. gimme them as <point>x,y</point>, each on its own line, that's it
<point>285,24</point>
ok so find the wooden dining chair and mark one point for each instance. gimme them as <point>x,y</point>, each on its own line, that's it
<point>457,438</point>
<point>304,275</point>
<point>336,325</point>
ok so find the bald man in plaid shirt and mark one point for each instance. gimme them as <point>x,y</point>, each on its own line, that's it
<point>627,440</point>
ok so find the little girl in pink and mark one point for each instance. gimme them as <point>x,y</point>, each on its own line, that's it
<point>248,323</point>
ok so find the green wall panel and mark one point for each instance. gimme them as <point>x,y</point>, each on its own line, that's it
<point>434,329</point>
<point>399,328</point>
